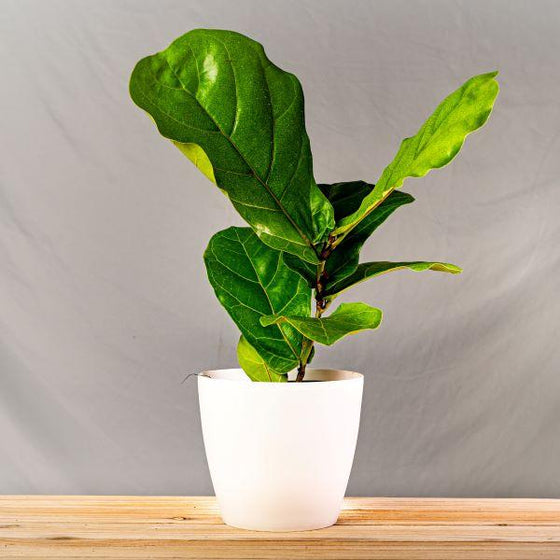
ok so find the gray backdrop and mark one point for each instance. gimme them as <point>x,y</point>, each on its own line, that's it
<point>104,300</point>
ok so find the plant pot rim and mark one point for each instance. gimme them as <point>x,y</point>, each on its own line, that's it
<point>325,376</point>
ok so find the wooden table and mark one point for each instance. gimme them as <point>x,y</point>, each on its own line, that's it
<point>390,528</point>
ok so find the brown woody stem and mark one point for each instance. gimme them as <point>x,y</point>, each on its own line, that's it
<point>320,305</point>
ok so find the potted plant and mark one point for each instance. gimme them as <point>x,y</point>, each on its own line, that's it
<point>280,451</point>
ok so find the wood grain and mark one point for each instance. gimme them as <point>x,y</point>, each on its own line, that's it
<point>114,527</point>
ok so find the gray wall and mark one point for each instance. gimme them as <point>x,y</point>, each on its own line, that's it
<point>104,300</point>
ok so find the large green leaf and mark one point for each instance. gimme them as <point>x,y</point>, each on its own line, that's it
<point>251,281</point>
<point>436,143</point>
<point>348,318</point>
<point>365,271</point>
<point>240,119</point>
<point>254,365</point>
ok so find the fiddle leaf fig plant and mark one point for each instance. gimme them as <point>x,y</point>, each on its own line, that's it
<point>240,119</point>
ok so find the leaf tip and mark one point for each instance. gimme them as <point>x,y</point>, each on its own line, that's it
<point>446,267</point>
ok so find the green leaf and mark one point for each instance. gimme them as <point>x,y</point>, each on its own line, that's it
<point>240,119</point>
<point>251,281</point>
<point>436,143</point>
<point>365,271</point>
<point>349,318</point>
<point>306,270</point>
<point>346,198</point>
<point>254,365</point>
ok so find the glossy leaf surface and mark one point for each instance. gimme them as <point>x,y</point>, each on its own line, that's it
<point>254,365</point>
<point>365,271</point>
<point>348,318</point>
<point>240,119</point>
<point>436,143</point>
<point>251,281</point>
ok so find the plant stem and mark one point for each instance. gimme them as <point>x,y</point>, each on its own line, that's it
<point>306,352</point>
<point>320,306</point>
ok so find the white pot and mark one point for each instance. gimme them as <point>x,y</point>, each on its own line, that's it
<point>280,454</point>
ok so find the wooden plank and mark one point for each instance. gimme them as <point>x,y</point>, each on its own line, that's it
<point>111,527</point>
